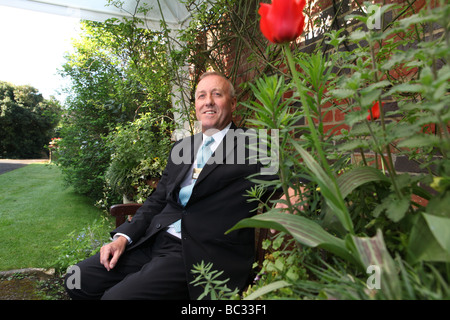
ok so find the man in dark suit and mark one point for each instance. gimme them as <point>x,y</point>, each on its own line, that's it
<point>184,221</point>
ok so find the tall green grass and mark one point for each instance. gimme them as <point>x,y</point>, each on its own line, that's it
<point>37,212</point>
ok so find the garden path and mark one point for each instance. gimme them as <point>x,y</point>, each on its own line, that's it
<point>12,164</point>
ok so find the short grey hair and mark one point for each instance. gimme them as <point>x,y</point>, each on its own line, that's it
<point>215,73</point>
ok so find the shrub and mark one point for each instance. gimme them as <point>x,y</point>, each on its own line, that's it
<point>80,245</point>
<point>118,72</point>
<point>139,153</point>
<point>27,121</point>
<point>371,215</point>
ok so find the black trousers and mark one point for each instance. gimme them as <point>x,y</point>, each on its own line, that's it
<point>151,272</point>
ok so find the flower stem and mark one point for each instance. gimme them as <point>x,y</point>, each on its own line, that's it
<point>389,163</point>
<point>315,137</point>
<point>347,222</point>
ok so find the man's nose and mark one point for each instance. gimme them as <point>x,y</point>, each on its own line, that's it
<point>209,100</point>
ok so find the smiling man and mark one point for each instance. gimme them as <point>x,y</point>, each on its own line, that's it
<point>215,102</point>
<point>185,220</point>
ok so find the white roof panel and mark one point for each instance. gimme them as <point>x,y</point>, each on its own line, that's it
<point>175,13</point>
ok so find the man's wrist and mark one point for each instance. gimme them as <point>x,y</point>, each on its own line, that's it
<point>119,235</point>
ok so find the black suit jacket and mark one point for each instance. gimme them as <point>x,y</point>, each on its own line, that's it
<point>217,203</point>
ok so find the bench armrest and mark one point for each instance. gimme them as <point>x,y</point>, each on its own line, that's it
<point>121,211</point>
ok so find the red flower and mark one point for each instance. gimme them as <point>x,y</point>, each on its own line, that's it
<point>375,111</point>
<point>283,20</point>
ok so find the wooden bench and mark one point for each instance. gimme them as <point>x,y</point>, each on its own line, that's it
<point>123,211</point>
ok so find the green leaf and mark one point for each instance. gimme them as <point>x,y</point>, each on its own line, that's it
<point>418,141</point>
<point>352,145</point>
<point>429,240</point>
<point>439,227</point>
<point>396,208</point>
<point>406,87</point>
<point>438,204</point>
<point>343,93</point>
<point>376,85</point>
<point>373,252</point>
<point>304,230</point>
<point>440,91</point>
<point>358,176</point>
<point>349,181</point>
<point>368,98</point>
<point>328,188</point>
<point>266,289</point>
<point>358,34</point>
<point>352,118</point>
<point>396,58</point>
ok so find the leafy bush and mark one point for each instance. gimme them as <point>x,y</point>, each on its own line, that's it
<point>139,153</point>
<point>118,72</point>
<point>370,214</point>
<point>83,158</point>
<point>27,121</point>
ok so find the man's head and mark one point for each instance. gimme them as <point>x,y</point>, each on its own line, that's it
<point>215,101</point>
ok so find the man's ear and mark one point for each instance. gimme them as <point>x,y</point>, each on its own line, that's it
<point>233,104</point>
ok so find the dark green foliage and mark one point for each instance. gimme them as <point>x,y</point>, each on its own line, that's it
<point>118,74</point>
<point>27,121</point>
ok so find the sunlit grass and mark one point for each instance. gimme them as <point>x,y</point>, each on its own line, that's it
<point>37,211</point>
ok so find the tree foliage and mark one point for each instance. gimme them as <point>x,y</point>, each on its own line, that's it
<point>114,80</point>
<point>27,121</point>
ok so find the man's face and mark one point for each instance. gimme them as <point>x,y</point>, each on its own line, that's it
<point>214,105</point>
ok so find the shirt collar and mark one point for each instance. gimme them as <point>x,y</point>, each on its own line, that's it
<point>218,136</point>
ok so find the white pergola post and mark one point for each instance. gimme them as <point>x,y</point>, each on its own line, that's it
<point>180,96</point>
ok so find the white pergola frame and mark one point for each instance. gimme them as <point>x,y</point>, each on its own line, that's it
<point>175,13</point>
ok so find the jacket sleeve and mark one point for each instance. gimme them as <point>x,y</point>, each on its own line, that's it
<point>154,204</point>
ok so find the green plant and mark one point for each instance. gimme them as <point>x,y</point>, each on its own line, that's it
<point>79,245</point>
<point>27,121</point>
<point>139,153</point>
<point>118,71</point>
<point>394,224</point>
<point>215,288</point>
<point>283,265</point>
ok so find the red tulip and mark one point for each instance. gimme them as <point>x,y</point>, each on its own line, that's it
<point>283,20</point>
<point>375,111</point>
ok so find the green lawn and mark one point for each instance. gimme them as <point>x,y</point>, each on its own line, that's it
<point>37,212</point>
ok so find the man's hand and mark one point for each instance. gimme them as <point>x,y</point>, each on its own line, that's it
<point>293,198</point>
<point>112,250</point>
